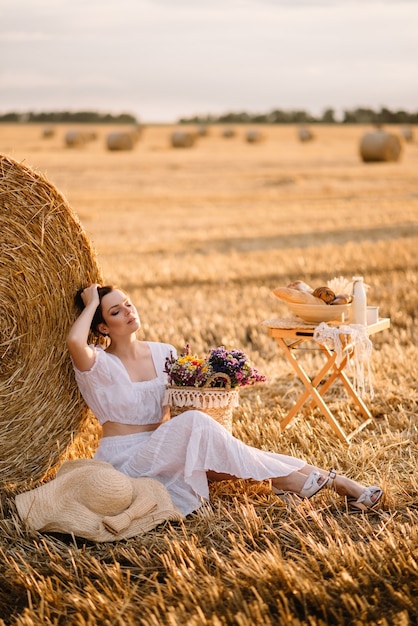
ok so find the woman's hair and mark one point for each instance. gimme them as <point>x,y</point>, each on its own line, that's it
<point>98,315</point>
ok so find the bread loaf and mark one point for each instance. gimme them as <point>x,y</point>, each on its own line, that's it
<point>300,285</point>
<point>342,298</point>
<point>295,295</point>
<point>325,293</point>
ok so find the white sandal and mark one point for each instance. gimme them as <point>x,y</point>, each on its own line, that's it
<point>313,484</point>
<point>365,502</point>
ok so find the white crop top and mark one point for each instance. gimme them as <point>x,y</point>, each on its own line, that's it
<point>112,396</point>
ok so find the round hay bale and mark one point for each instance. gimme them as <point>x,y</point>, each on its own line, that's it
<point>48,132</point>
<point>254,136</point>
<point>45,257</point>
<point>407,134</point>
<point>228,133</point>
<point>202,130</point>
<point>76,138</point>
<point>137,132</point>
<point>182,139</point>
<point>305,134</point>
<point>380,146</point>
<point>91,135</point>
<point>121,141</point>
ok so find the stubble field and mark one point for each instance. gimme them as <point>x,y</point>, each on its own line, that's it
<point>200,237</point>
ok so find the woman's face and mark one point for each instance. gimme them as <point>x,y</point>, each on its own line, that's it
<point>119,314</point>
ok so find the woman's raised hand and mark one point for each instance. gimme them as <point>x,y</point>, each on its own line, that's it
<point>77,339</point>
<point>90,295</point>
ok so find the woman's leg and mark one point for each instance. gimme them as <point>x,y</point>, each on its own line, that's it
<point>296,481</point>
<point>214,477</point>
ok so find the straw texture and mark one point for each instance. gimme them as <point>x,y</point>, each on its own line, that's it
<point>45,256</point>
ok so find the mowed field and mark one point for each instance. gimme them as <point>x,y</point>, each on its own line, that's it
<point>200,237</point>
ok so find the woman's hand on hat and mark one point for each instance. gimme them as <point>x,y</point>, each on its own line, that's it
<point>90,295</point>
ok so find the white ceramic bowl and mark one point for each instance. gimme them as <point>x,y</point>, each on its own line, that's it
<point>316,313</point>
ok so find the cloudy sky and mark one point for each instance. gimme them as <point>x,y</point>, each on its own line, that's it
<point>163,59</point>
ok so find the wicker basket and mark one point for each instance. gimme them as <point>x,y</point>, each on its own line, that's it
<point>217,402</point>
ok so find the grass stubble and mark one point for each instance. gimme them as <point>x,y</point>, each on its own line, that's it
<point>200,238</point>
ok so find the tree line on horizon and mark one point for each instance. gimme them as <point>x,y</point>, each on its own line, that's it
<point>360,115</point>
<point>66,117</point>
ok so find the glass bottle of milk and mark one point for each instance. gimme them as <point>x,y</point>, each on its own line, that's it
<point>359,306</point>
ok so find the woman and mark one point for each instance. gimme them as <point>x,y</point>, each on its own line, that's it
<point>124,386</point>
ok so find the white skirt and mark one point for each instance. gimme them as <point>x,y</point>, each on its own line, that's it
<point>180,452</point>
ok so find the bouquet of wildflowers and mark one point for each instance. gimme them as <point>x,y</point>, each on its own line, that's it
<point>188,370</point>
<point>193,371</point>
<point>236,364</point>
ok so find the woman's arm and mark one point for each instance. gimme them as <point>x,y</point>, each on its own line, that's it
<point>77,340</point>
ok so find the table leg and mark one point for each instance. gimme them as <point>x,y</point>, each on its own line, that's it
<point>339,373</point>
<point>311,390</point>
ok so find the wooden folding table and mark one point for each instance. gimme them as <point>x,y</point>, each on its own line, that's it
<point>288,338</point>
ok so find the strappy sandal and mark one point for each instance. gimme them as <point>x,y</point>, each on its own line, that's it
<point>313,485</point>
<point>365,501</point>
<point>332,477</point>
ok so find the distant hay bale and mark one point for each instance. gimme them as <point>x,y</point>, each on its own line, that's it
<point>137,131</point>
<point>45,257</point>
<point>77,138</point>
<point>48,132</point>
<point>91,135</point>
<point>380,146</point>
<point>254,136</point>
<point>228,133</point>
<point>182,139</point>
<point>202,130</point>
<point>121,141</point>
<point>305,134</point>
<point>407,134</point>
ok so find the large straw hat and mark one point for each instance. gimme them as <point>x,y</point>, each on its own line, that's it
<point>45,257</point>
<point>91,499</point>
